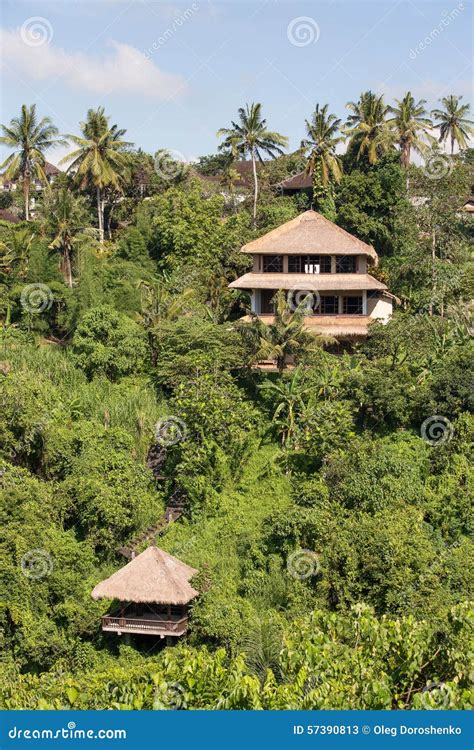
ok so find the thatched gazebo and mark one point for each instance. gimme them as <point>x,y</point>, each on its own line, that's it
<point>153,592</point>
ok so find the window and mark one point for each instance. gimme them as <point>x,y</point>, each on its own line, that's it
<point>309,264</point>
<point>273,263</point>
<point>328,305</point>
<point>352,305</point>
<point>345,264</point>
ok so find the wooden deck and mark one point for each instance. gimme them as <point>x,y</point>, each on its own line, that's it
<point>149,624</point>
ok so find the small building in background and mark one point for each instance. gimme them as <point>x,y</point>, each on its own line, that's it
<point>152,592</point>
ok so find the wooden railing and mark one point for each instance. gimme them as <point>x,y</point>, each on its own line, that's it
<point>155,625</point>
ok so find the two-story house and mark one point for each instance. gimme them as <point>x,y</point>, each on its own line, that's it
<point>318,262</point>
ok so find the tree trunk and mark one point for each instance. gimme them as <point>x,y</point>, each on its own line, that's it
<point>255,187</point>
<point>100,215</point>
<point>433,272</point>
<point>452,144</point>
<point>67,267</point>
<point>26,193</point>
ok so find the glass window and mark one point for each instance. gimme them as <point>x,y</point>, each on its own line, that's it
<point>329,305</point>
<point>346,264</point>
<point>352,305</point>
<point>309,264</point>
<point>273,263</point>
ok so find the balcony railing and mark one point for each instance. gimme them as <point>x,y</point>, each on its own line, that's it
<point>149,624</point>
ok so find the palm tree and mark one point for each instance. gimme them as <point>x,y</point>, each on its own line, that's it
<point>453,122</point>
<point>250,137</point>
<point>15,250</point>
<point>367,127</point>
<point>289,403</point>
<point>287,335</point>
<point>100,161</point>
<point>65,217</point>
<point>29,138</point>
<point>410,124</point>
<point>323,162</point>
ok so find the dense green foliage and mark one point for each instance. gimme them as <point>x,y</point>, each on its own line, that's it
<point>331,530</point>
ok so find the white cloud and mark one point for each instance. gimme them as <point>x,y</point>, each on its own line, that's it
<point>123,70</point>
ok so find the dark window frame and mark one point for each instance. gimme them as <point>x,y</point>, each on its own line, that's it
<point>342,261</point>
<point>300,261</point>
<point>269,260</point>
<point>354,300</point>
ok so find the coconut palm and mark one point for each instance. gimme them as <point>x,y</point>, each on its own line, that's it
<point>370,135</point>
<point>65,217</point>
<point>250,137</point>
<point>286,335</point>
<point>453,122</point>
<point>30,138</point>
<point>323,163</point>
<point>100,161</point>
<point>410,124</point>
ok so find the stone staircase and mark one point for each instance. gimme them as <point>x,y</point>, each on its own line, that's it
<point>175,508</point>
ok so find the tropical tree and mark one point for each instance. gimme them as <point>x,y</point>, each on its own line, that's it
<point>286,335</point>
<point>15,249</point>
<point>30,138</point>
<point>288,397</point>
<point>453,122</point>
<point>410,124</point>
<point>100,160</point>
<point>323,162</point>
<point>250,137</point>
<point>65,217</point>
<point>367,128</point>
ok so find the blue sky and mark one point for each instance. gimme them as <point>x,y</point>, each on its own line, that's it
<point>173,73</point>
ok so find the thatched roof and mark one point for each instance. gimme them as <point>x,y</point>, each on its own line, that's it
<point>310,233</point>
<point>339,326</point>
<point>320,282</point>
<point>154,576</point>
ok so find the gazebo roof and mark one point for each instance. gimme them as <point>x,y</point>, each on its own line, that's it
<point>153,576</point>
<point>310,232</point>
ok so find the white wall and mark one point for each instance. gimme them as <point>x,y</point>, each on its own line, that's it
<point>381,309</point>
